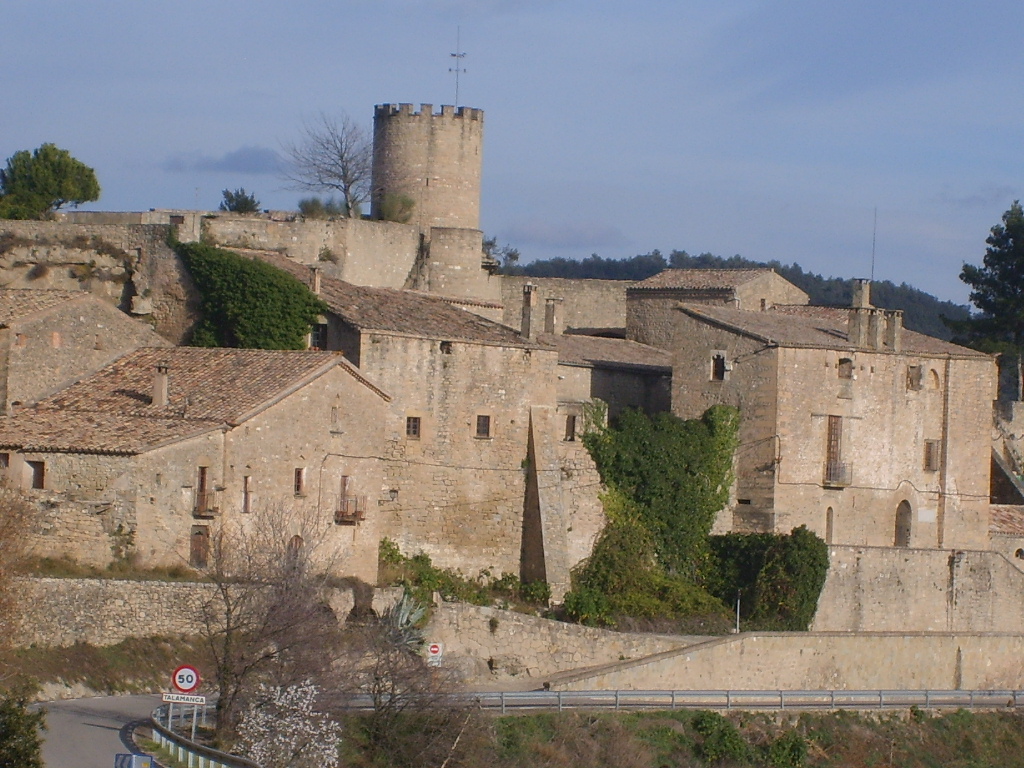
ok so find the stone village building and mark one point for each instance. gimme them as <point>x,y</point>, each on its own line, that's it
<point>478,461</point>
<point>48,339</point>
<point>152,451</point>
<point>863,431</point>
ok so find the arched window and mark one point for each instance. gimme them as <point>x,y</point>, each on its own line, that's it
<point>904,519</point>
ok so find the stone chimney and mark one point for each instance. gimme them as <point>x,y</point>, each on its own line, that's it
<point>160,384</point>
<point>552,319</point>
<point>871,327</point>
<point>316,281</point>
<point>894,330</point>
<point>528,330</point>
<point>861,293</point>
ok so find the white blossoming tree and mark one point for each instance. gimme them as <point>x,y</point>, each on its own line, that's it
<point>281,729</point>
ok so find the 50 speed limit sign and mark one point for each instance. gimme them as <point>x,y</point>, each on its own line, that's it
<point>186,679</point>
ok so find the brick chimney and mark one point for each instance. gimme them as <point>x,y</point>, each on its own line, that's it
<point>529,330</point>
<point>160,384</point>
<point>316,281</point>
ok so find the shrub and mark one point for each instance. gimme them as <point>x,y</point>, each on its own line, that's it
<point>20,741</point>
<point>721,739</point>
<point>788,751</point>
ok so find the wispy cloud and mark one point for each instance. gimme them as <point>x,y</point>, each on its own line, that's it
<point>254,161</point>
<point>991,196</point>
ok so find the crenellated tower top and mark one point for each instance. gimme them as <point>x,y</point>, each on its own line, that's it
<point>429,160</point>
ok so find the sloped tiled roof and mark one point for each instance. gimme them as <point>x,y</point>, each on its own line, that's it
<point>814,327</point>
<point>1007,519</point>
<point>699,279</point>
<point>409,313</point>
<point>112,410</point>
<point>18,302</point>
<point>604,352</point>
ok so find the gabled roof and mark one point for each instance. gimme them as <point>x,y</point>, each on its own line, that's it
<point>699,279</point>
<point>16,303</point>
<point>813,327</point>
<point>1006,519</point>
<point>409,313</point>
<point>112,410</point>
<point>609,353</point>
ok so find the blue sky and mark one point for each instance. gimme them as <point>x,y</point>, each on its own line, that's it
<point>768,129</point>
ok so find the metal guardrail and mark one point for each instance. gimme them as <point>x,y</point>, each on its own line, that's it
<point>759,700</point>
<point>185,750</point>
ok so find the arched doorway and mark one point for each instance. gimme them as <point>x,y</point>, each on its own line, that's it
<point>904,517</point>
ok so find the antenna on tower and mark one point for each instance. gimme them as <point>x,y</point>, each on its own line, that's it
<point>874,232</point>
<point>457,69</point>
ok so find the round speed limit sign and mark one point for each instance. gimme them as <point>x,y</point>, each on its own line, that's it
<point>186,679</point>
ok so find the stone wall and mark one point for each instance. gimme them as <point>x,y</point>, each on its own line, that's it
<point>490,644</point>
<point>925,590</point>
<point>584,303</point>
<point>819,661</point>
<point>127,265</point>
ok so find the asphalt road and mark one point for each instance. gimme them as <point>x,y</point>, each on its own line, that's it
<point>87,733</point>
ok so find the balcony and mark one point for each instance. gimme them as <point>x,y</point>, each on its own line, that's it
<point>350,510</point>
<point>207,504</point>
<point>838,474</point>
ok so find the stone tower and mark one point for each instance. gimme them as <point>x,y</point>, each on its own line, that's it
<point>434,160</point>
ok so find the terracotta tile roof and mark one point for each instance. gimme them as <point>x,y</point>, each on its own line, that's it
<point>409,313</point>
<point>112,410</point>
<point>1007,519</point>
<point>699,279</point>
<point>815,327</point>
<point>18,302</point>
<point>603,352</point>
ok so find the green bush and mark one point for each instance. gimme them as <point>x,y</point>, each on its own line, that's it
<point>721,739</point>
<point>788,751</point>
<point>248,303</point>
<point>778,577</point>
<point>623,578</point>
<point>20,741</point>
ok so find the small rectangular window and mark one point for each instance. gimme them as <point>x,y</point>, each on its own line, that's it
<point>483,426</point>
<point>719,367</point>
<point>412,427</point>
<point>446,347</point>
<point>38,470</point>
<point>300,481</point>
<point>5,460</point>
<point>915,377</point>
<point>247,494</point>
<point>570,428</point>
<point>932,455</point>
<point>318,336</point>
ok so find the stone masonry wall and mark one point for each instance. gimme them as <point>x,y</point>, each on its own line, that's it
<point>820,661</point>
<point>887,589</point>
<point>584,303</point>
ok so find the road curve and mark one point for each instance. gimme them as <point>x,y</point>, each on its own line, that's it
<point>87,733</point>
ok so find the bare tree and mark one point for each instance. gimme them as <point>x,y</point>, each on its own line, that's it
<point>334,155</point>
<point>414,720</point>
<point>267,618</point>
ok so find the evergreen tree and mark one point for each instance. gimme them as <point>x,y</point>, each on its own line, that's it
<point>35,184</point>
<point>997,290</point>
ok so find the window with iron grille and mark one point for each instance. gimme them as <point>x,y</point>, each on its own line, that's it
<point>300,481</point>
<point>412,427</point>
<point>932,455</point>
<point>483,426</point>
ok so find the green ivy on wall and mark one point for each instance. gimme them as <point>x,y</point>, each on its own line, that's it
<point>676,472</point>
<point>247,303</point>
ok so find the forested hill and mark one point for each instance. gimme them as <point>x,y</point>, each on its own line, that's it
<point>921,311</point>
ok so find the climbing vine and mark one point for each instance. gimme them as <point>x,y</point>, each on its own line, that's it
<point>247,303</point>
<point>677,474</point>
